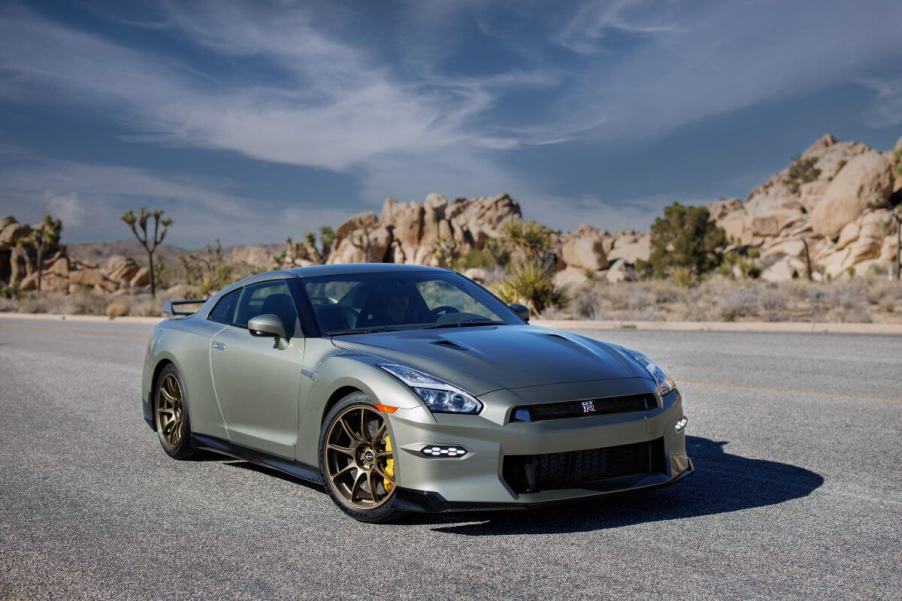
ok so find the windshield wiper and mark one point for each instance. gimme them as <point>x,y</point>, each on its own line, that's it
<point>465,322</point>
<point>372,330</point>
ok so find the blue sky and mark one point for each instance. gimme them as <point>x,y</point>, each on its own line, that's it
<point>254,121</point>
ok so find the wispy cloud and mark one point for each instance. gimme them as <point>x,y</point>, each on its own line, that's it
<point>586,31</point>
<point>886,108</point>
<point>437,98</point>
<point>91,197</point>
<point>335,107</point>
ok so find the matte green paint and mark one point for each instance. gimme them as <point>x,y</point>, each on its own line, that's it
<point>271,394</point>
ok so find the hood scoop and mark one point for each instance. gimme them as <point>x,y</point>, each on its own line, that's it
<point>450,344</point>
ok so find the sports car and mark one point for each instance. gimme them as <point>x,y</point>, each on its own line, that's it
<point>404,388</point>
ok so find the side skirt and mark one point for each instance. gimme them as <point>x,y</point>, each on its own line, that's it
<point>292,468</point>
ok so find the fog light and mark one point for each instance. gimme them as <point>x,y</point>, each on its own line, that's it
<point>436,450</point>
<point>681,424</point>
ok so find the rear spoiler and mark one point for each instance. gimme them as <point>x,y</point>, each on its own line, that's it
<point>170,310</point>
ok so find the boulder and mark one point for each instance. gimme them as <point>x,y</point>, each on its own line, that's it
<point>620,271</point>
<point>585,252</point>
<point>869,242</point>
<point>848,234</point>
<point>121,269</point>
<point>865,179</point>
<point>570,277</point>
<point>140,279</point>
<point>785,248</point>
<point>12,233</point>
<point>784,269</point>
<point>640,249</point>
<point>772,222</point>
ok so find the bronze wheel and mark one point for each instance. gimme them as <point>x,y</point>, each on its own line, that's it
<point>171,415</point>
<point>358,460</point>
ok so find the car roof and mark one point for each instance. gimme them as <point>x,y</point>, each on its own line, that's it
<point>341,269</point>
<point>325,270</point>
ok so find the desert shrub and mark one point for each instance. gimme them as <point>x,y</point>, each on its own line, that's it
<point>531,283</point>
<point>530,266</point>
<point>683,277</point>
<point>773,303</point>
<point>801,171</point>
<point>207,270</point>
<point>478,258</point>
<point>741,302</point>
<point>116,308</point>
<point>528,239</point>
<point>685,237</point>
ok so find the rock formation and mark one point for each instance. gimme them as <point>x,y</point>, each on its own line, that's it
<point>839,211</point>
<point>831,205</point>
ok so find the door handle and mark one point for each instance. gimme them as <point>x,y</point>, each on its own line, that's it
<point>217,346</point>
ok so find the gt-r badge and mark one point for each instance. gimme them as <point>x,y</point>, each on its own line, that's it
<point>588,406</point>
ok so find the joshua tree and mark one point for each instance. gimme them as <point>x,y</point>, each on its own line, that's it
<point>40,240</point>
<point>151,238</point>
<point>321,251</point>
<point>362,242</point>
<point>809,272</point>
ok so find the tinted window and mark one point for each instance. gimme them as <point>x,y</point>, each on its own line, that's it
<point>225,308</point>
<point>267,297</point>
<point>347,303</point>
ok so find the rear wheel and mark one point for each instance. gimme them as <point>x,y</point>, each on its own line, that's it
<point>171,415</point>
<point>357,459</point>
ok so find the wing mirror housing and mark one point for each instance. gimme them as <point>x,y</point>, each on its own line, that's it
<point>522,311</point>
<point>265,325</point>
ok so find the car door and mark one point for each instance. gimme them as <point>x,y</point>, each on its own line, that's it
<point>257,379</point>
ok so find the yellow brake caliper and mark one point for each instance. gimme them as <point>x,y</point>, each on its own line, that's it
<point>388,482</point>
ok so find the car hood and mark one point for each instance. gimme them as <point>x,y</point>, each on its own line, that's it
<point>486,358</point>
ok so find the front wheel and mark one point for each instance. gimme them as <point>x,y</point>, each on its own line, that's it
<point>357,460</point>
<point>171,415</point>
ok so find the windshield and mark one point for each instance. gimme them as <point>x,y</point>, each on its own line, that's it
<point>395,300</point>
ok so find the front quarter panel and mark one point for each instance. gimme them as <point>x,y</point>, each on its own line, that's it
<point>328,372</point>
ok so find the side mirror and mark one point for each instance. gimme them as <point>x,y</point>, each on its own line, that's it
<point>522,311</point>
<point>267,324</point>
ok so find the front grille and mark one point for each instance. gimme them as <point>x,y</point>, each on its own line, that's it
<point>582,469</point>
<point>584,408</point>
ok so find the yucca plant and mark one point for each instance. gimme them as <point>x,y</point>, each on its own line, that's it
<point>530,283</point>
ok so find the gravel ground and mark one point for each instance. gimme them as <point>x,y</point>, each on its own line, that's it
<point>798,492</point>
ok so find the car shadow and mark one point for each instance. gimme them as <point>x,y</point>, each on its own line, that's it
<point>722,483</point>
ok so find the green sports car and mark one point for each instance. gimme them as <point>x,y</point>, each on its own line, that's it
<point>403,388</point>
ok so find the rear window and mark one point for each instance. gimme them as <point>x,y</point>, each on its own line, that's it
<point>225,308</point>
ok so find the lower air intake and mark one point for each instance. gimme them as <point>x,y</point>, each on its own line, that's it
<point>583,469</point>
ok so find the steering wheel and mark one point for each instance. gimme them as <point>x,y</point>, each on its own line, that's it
<point>443,310</point>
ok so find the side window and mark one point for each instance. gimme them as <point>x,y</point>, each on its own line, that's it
<point>267,297</point>
<point>225,308</point>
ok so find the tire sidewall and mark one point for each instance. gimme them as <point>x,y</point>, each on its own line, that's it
<point>383,513</point>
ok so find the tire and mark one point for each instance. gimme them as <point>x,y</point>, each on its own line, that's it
<point>168,405</point>
<point>364,463</point>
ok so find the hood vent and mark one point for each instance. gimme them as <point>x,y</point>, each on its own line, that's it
<point>449,344</point>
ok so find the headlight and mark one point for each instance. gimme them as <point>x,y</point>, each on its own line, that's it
<point>663,382</point>
<point>438,395</point>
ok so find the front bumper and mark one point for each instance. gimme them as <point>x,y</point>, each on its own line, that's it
<point>477,480</point>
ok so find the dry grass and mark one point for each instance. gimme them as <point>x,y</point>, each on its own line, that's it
<point>117,304</point>
<point>860,300</point>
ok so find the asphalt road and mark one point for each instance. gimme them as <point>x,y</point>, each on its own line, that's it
<point>797,439</point>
